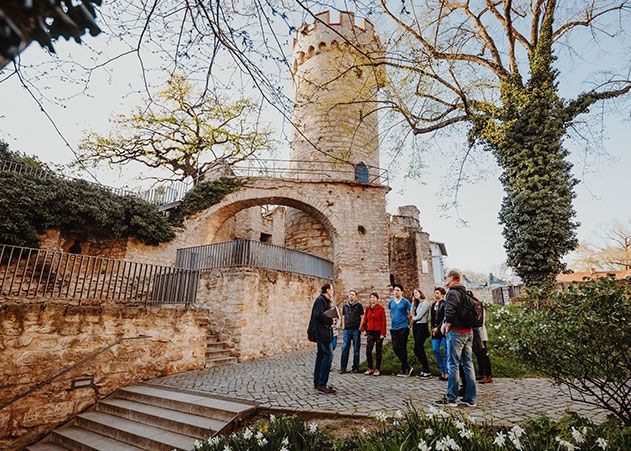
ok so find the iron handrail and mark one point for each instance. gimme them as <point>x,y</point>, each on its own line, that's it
<point>68,369</point>
<point>247,253</point>
<point>32,273</point>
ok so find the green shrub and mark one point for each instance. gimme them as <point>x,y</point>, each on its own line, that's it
<point>580,338</point>
<point>31,205</point>
<point>204,195</point>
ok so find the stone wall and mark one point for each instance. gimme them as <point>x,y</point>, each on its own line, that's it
<point>304,233</point>
<point>39,340</point>
<point>111,248</point>
<point>410,253</point>
<point>261,312</point>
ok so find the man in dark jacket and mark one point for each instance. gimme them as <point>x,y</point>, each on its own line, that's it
<point>459,344</point>
<point>320,326</point>
<point>353,317</point>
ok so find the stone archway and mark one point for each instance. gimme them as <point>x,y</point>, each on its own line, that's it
<point>353,214</point>
<point>212,220</point>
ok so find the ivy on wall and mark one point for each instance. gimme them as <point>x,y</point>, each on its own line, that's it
<point>204,195</point>
<point>31,204</point>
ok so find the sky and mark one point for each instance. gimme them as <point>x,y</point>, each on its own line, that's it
<point>472,234</point>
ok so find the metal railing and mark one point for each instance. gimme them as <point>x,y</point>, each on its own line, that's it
<point>308,170</point>
<point>159,195</point>
<point>248,253</point>
<point>36,273</point>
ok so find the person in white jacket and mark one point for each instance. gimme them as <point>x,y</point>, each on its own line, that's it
<point>420,330</point>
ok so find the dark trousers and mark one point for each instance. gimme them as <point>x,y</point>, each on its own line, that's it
<point>421,333</point>
<point>324,358</point>
<point>373,338</point>
<point>484,363</point>
<point>400,346</point>
<point>350,336</point>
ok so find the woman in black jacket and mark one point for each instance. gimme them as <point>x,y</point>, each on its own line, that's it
<point>438,339</point>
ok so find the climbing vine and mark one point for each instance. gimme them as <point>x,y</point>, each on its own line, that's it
<point>526,135</point>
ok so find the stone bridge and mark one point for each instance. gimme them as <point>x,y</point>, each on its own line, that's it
<point>352,214</point>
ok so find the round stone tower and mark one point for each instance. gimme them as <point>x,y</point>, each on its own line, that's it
<point>336,136</point>
<point>336,85</point>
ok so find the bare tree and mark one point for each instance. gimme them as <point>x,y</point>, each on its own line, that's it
<point>610,253</point>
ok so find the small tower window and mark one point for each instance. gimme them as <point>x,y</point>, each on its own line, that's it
<point>361,172</point>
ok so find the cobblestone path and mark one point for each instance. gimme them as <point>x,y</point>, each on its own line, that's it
<point>286,382</point>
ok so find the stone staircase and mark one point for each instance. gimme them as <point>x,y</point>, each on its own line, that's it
<point>147,417</point>
<point>218,352</point>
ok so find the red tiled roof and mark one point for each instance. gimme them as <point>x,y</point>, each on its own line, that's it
<point>580,276</point>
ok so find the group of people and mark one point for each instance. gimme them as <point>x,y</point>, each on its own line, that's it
<point>443,320</point>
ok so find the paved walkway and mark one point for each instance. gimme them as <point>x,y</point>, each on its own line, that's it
<point>285,382</point>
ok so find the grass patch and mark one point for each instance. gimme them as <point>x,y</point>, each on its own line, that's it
<point>504,363</point>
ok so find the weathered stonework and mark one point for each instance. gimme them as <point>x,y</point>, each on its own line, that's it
<point>39,340</point>
<point>410,253</point>
<point>359,241</point>
<point>336,90</point>
<point>306,234</point>
<point>260,312</point>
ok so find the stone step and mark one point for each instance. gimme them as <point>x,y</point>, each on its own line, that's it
<point>212,338</point>
<point>132,432</point>
<point>172,420</point>
<point>217,345</point>
<point>217,353</point>
<point>219,361</point>
<point>196,404</point>
<point>76,438</point>
<point>46,446</point>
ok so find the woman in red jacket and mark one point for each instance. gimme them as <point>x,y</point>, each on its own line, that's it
<point>374,327</point>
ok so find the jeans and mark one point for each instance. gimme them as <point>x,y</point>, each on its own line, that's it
<point>400,346</point>
<point>459,352</point>
<point>484,363</point>
<point>324,358</point>
<point>334,342</point>
<point>421,333</point>
<point>373,338</point>
<point>348,336</point>
<point>436,344</point>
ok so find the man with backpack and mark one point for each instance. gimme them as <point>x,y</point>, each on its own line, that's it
<point>462,313</point>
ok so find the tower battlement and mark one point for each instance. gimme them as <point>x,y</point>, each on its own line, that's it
<point>324,34</point>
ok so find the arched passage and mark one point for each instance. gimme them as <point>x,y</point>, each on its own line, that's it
<point>211,221</point>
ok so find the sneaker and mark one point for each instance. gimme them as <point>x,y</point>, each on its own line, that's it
<point>409,372</point>
<point>342,372</point>
<point>331,389</point>
<point>323,389</point>
<point>368,372</point>
<point>446,403</point>
<point>355,371</point>
<point>424,375</point>
<point>486,380</point>
<point>464,403</point>
<point>376,373</point>
<point>401,374</point>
